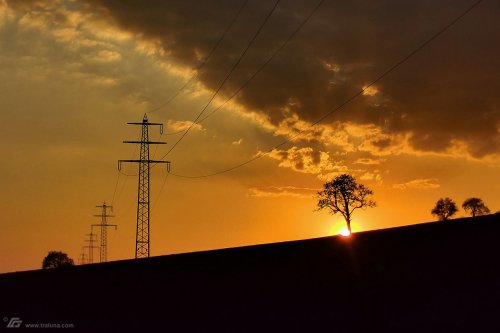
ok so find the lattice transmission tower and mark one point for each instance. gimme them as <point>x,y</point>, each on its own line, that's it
<point>103,253</point>
<point>91,246</point>
<point>82,258</point>
<point>142,244</point>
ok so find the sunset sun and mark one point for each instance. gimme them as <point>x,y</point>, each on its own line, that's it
<point>344,232</point>
<point>340,230</point>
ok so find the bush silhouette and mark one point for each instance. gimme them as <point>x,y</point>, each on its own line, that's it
<point>56,259</point>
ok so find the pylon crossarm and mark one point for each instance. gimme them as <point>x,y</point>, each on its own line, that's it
<point>142,161</point>
<point>111,207</point>
<point>147,142</point>
<point>148,124</point>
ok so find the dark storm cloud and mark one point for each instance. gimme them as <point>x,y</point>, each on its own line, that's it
<point>447,92</point>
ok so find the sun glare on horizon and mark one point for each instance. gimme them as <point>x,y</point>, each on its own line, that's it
<point>340,230</point>
<point>344,232</point>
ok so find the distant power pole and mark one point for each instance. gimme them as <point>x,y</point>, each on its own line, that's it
<point>91,246</point>
<point>82,256</point>
<point>142,245</point>
<point>103,253</point>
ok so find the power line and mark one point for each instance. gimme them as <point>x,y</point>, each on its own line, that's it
<point>119,172</point>
<point>176,94</point>
<point>116,187</point>
<point>159,193</point>
<point>127,176</point>
<point>273,55</point>
<point>200,66</point>
<point>156,146</point>
<point>226,77</point>
<point>163,183</point>
<point>290,37</point>
<point>350,99</point>
<point>276,51</point>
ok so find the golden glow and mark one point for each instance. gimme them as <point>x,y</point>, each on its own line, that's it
<point>370,90</point>
<point>344,232</point>
<point>108,75</point>
<point>340,229</point>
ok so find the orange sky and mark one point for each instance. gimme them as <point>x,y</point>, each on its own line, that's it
<point>75,72</point>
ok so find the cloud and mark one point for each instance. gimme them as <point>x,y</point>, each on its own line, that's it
<point>307,160</point>
<point>281,191</point>
<point>297,130</point>
<point>447,92</point>
<point>326,177</point>
<point>373,176</point>
<point>370,91</point>
<point>182,125</point>
<point>61,40</point>
<point>107,56</point>
<point>368,161</point>
<point>419,184</point>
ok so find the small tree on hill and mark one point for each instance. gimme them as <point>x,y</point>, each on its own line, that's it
<point>56,259</point>
<point>444,209</point>
<point>475,207</point>
<point>344,195</point>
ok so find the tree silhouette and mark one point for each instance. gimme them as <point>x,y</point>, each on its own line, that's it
<point>344,195</point>
<point>56,259</point>
<point>444,209</point>
<point>475,207</point>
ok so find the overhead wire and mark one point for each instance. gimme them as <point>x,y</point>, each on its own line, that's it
<point>205,60</point>
<point>275,52</point>
<point>127,176</point>
<point>273,55</point>
<point>160,192</point>
<point>228,75</point>
<point>116,186</point>
<point>123,185</point>
<point>202,64</point>
<point>156,146</point>
<point>119,172</point>
<point>232,70</point>
<point>335,109</point>
<point>348,100</point>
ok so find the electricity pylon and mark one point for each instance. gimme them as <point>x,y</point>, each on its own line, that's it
<point>142,245</point>
<point>91,246</point>
<point>82,256</point>
<point>103,253</point>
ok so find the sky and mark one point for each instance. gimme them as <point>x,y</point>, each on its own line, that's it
<point>263,73</point>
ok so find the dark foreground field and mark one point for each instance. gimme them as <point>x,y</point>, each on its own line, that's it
<point>434,277</point>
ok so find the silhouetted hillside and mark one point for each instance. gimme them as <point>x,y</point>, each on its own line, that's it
<point>434,277</point>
